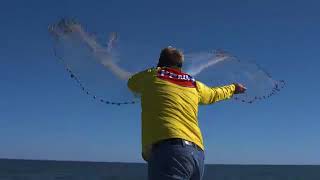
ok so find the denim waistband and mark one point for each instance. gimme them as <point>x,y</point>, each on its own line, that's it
<point>175,141</point>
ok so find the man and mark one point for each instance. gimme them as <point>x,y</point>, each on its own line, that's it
<point>172,142</point>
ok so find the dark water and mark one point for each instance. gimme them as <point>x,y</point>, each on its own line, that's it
<point>67,170</point>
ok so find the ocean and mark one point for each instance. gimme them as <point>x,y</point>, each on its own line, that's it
<point>72,170</point>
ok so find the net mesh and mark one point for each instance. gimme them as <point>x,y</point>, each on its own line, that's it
<point>99,68</point>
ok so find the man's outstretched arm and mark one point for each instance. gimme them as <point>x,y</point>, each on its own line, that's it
<point>209,95</point>
<point>136,82</point>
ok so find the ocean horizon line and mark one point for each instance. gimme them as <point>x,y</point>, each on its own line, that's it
<point>144,163</point>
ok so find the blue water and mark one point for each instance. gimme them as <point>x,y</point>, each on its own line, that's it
<point>68,170</point>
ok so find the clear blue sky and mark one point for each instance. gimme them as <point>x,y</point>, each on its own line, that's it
<point>44,115</point>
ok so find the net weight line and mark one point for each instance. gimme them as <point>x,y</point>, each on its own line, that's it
<point>85,90</point>
<point>64,27</point>
<point>278,85</point>
<point>220,56</point>
<point>276,88</point>
<point>63,24</point>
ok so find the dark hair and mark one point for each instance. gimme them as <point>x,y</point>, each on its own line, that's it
<point>170,57</point>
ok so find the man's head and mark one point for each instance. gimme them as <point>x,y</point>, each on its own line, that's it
<point>171,57</point>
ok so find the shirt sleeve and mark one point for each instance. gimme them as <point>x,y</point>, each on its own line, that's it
<point>136,82</point>
<point>209,95</point>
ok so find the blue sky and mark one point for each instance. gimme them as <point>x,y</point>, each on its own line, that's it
<point>44,115</point>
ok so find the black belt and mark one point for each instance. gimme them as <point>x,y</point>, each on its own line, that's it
<point>175,141</point>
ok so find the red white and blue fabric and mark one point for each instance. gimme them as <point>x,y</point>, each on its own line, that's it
<point>177,77</point>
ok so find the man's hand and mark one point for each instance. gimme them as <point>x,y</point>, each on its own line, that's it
<point>239,88</point>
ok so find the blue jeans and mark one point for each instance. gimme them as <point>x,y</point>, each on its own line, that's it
<point>175,162</point>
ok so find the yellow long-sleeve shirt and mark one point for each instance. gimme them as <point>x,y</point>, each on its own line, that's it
<point>169,101</point>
